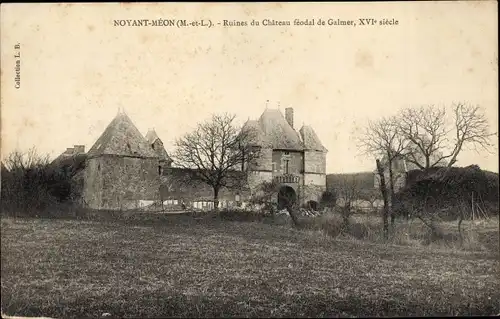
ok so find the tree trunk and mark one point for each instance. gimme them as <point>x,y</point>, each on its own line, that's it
<point>453,159</point>
<point>345,215</point>
<point>392,192</point>
<point>216,198</point>
<point>292,215</point>
<point>383,189</point>
<point>460,227</point>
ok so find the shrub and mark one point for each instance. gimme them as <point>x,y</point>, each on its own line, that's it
<point>328,199</point>
<point>31,186</point>
<point>445,191</point>
<point>408,233</point>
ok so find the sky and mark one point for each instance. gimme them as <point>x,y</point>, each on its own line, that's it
<point>78,69</point>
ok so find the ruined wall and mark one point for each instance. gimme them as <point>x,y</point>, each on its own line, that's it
<point>116,182</point>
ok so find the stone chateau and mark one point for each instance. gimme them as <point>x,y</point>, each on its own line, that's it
<point>126,170</point>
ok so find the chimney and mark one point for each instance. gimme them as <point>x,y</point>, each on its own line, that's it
<point>289,115</point>
<point>69,151</point>
<point>79,149</point>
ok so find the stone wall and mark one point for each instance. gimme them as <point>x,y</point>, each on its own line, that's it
<point>314,162</point>
<point>117,182</point>
<point>183,184</point>
<point>295,162</point>
<point>92,184</point>
<point>255,178</point>
<point>315,179</point>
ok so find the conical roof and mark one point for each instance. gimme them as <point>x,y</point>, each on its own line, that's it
<point>151,136</point>
<point>279,134</point>
<point>121,137</point>
<point>157,145</point>
<point>310,139</point>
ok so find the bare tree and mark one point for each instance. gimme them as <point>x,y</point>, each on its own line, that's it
<point>18,160</point>
<point>347,190</point>
<point>328,199</point>
<point>25,180</point>
<point>432,142</point>
<point>383,190</point>
<point>384,138</point>
<point>213,150</point>
<point>471,129</point>
<point>291,203</point>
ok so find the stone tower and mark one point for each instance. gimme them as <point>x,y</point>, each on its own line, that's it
<point>121,168</point>
<point>314,164</point>
<point>295,161</point>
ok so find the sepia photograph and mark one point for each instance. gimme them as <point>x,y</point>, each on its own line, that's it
<point>270,159</point>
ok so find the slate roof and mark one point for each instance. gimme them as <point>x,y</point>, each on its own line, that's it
<point>278,132</point>
<point>158,147</point>
<point>310,139</point>
<point>272,130</point>
<point>121,137</point>
<point>256,134</point>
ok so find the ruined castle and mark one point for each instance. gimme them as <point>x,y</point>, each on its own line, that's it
<point>126,170</point>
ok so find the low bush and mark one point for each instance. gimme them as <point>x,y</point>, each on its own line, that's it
<point>405,232</point>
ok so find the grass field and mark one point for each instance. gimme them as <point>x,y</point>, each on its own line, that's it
<point>182,267</point>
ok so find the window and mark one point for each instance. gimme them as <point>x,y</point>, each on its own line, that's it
<point>286,166</point>
<point>274,167</point>
<point>287,153</point>
<point>159,170</point>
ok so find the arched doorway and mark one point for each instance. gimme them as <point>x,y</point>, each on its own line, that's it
<point>286,196</point>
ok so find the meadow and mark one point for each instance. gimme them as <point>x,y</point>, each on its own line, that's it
<point>181,266</point>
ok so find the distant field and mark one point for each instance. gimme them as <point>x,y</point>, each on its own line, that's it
<point>182,267</point>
